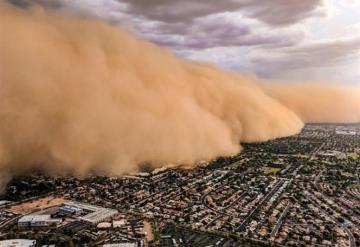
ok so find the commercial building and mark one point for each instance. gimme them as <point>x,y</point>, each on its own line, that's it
<point>120,245</point>
<point>17,243</point>
<point>99,215</point>
<point>4,202</point>
<point>38,221</point>
<point>70,210</point>
<point>96,214</point>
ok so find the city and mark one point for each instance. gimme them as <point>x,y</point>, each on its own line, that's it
<point>302,190</point>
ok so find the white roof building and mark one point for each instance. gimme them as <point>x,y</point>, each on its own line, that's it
<point>104,225</point>
<point>38,220</point>
<point>120,245</point>
<point>17,243</point>
<point>3,202</point>
<point>97,214</point>
<point>119,223</point>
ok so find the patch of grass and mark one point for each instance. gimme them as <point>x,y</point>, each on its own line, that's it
<point>271,170</point>
<point>236,164</point>
<point>353,156</point>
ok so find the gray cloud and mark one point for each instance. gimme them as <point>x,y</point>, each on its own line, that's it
<point>275,12</point>
<point>218,30</point>
<point>330,60</point>
<point>196,24</point>
<point>47,3</point>
<point>283,12</point>
<point>310,55</point>
<point>266,37</point>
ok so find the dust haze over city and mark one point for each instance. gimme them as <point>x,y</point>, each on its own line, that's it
<point>191,124</point>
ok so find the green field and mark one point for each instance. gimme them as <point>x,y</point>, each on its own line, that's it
<point>236,165</point>
<point>271,170</point>
<point>353,156</point>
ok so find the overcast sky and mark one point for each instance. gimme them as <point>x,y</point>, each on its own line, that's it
<point>285,39</point>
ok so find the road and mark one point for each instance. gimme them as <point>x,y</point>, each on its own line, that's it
<point>352,242</point>
<point>263,200</point>
<point>280,220</point>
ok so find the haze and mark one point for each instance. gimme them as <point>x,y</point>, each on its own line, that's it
<point>102,99</point>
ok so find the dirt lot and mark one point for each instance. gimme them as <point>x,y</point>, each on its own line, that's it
<point>36,205</point>
<point>149,231</point>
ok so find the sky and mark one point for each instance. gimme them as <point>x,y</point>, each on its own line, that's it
<point>277,39</point>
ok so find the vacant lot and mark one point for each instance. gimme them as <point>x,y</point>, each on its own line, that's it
<point>36,205</point>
